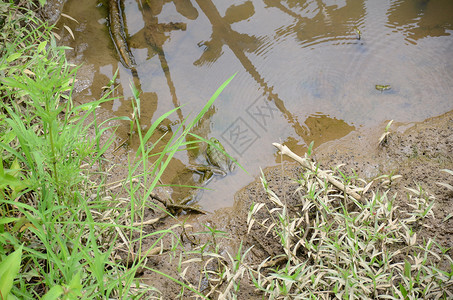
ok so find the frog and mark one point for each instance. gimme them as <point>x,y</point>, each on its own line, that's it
<point>219,163</point>
<point>359,33</point>
<point>382,88</point>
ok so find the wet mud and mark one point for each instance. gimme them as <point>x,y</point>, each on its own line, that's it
<point>417,151</point>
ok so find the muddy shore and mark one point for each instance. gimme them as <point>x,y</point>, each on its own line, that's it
<point>417,151</point>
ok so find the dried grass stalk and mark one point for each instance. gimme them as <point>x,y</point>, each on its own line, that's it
<point>304,162</point>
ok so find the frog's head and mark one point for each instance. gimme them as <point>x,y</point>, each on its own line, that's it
<point>216,142</point>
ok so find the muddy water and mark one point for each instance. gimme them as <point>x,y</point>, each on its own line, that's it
<point>304,72</point>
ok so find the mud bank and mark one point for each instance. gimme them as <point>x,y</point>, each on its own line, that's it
<point>417,151</point>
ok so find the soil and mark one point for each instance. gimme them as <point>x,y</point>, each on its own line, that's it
<point>417,151</point>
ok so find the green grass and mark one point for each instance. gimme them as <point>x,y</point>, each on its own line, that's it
<point>46,211</point>
<point>54,227</point>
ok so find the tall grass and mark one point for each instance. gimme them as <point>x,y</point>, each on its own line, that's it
<point>45,209</point>
<point>58,232</point>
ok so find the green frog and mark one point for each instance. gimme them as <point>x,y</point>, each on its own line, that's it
<point>382,88</point>
<point>218,162</point>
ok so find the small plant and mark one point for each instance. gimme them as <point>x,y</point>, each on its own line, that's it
<point>421,204</point>
<point>383,140</point>
<point>446,185</point>
<point>233,274</point>
<point>310,148</point>
<point>12,180</point>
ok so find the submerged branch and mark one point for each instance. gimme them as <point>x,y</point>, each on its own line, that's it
<point>118,35</point>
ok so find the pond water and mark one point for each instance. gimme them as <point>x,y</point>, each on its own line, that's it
<point>306,71</point>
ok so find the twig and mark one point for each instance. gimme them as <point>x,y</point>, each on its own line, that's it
<point>122,143</point>
<point>239,272</point>
<point>320,173</point>
<point>134,257</point>
<point>273,262</point>
<point>150,222</point>
<point>178,207</point>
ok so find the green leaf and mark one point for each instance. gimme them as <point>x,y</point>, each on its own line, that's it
<point>15,168</point>
<point>403,291</point>
<point>9,268</point>
<point>13,57</point>
<point>7,220</point>
<point>8,137</point>
<point>75,287</point>
<point>20,222</point>
<point>42,46</point>
<point>11,297</point>
<point>53,293</point>
<point>310,148</point>
<point>407,269</point>
<point>8,180</point>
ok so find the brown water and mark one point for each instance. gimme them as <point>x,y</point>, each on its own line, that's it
<point>303,74</point>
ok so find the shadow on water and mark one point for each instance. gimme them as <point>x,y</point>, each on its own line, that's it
<point>307,71</point>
